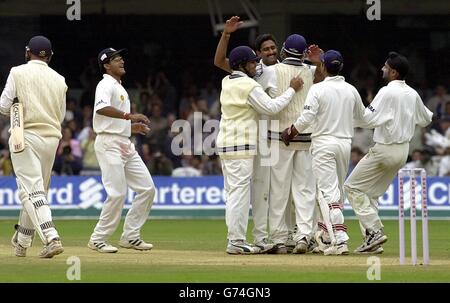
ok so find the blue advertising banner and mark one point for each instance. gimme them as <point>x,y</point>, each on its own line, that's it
<point>83,192</point>
<point>85,195</point>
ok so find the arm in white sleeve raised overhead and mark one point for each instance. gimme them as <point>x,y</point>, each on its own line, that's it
<point>263,104</point>
<point>8,95</point>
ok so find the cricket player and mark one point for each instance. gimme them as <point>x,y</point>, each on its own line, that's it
<point>242,98</point>
<point>394,113</point>
<point>291,171</point>
<point>330,108</point>
<point>121,165</point>
<point>42,92</point>
<point>266,49</point>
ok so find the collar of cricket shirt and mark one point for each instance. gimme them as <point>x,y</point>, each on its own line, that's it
<point>237,74</point>
<point>111,78</point>
<point>397,82</point>
<point>37,62</point>
<point>334,78</point>
<point>292,61</point>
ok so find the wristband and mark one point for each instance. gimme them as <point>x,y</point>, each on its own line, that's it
<point>126,116</point>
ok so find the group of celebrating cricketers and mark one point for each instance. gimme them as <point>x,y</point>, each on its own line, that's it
<point>307,129</point>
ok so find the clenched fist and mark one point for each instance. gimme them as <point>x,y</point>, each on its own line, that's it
<point>296,83</point>
<point>288,134</point>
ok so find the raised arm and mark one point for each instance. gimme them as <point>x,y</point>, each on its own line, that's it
<point>313,56</point>
<point>220,57</point>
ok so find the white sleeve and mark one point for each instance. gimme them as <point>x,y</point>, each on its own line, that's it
<point>268,80</point>
<point>103,95</point>
<point>263,104</point>
<point>379,110</point>
<point>309,111</point>
<point>8,95</point>
<point>63,105</point>
<point>358,110</point>
<point>422,114</point>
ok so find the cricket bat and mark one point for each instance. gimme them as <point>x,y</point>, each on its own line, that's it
<point>17,139</point>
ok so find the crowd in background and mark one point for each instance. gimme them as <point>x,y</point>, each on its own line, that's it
<point>163,102</point>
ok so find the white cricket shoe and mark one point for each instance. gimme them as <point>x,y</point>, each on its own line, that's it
<point>264,246</point>
<point>240,247</point>
<point>337,250</point>
<point>52,249</point>
<point>137,244</point>
<point>102,247</point>
<point>372,241</point>
<point>376,250</point>
<point>301,246</point>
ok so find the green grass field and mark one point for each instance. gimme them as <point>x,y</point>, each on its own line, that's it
<point>194,251</point>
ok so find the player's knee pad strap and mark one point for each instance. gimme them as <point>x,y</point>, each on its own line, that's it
<point>38,199</point>
<point>340,227</point>
<point>23,230</point>
<point>47,225</point>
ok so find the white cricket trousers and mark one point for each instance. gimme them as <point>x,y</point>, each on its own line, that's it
<point>237,175</point>
<point>122,167</point>
<point>371,178</point>
<point>331,157</point>
<point>33,168</point>
<point>260,190</point>
<point>291,174</point>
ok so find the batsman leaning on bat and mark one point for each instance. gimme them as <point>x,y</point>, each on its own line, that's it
<point>42,93</point>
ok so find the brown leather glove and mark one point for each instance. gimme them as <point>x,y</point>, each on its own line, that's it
<point>288,134</point>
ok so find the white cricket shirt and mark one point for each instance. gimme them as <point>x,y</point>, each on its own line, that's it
<point>394,113</point>
<point>330,107</point>
<point>110,92</point>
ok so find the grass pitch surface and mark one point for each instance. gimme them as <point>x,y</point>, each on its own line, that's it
<point>194,251</point>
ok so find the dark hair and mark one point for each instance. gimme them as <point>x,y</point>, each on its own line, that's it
<point>399,63</point>
<point>261,39</point>
<point>334,69</point>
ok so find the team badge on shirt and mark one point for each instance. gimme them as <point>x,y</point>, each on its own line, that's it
<point>122,98</point>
